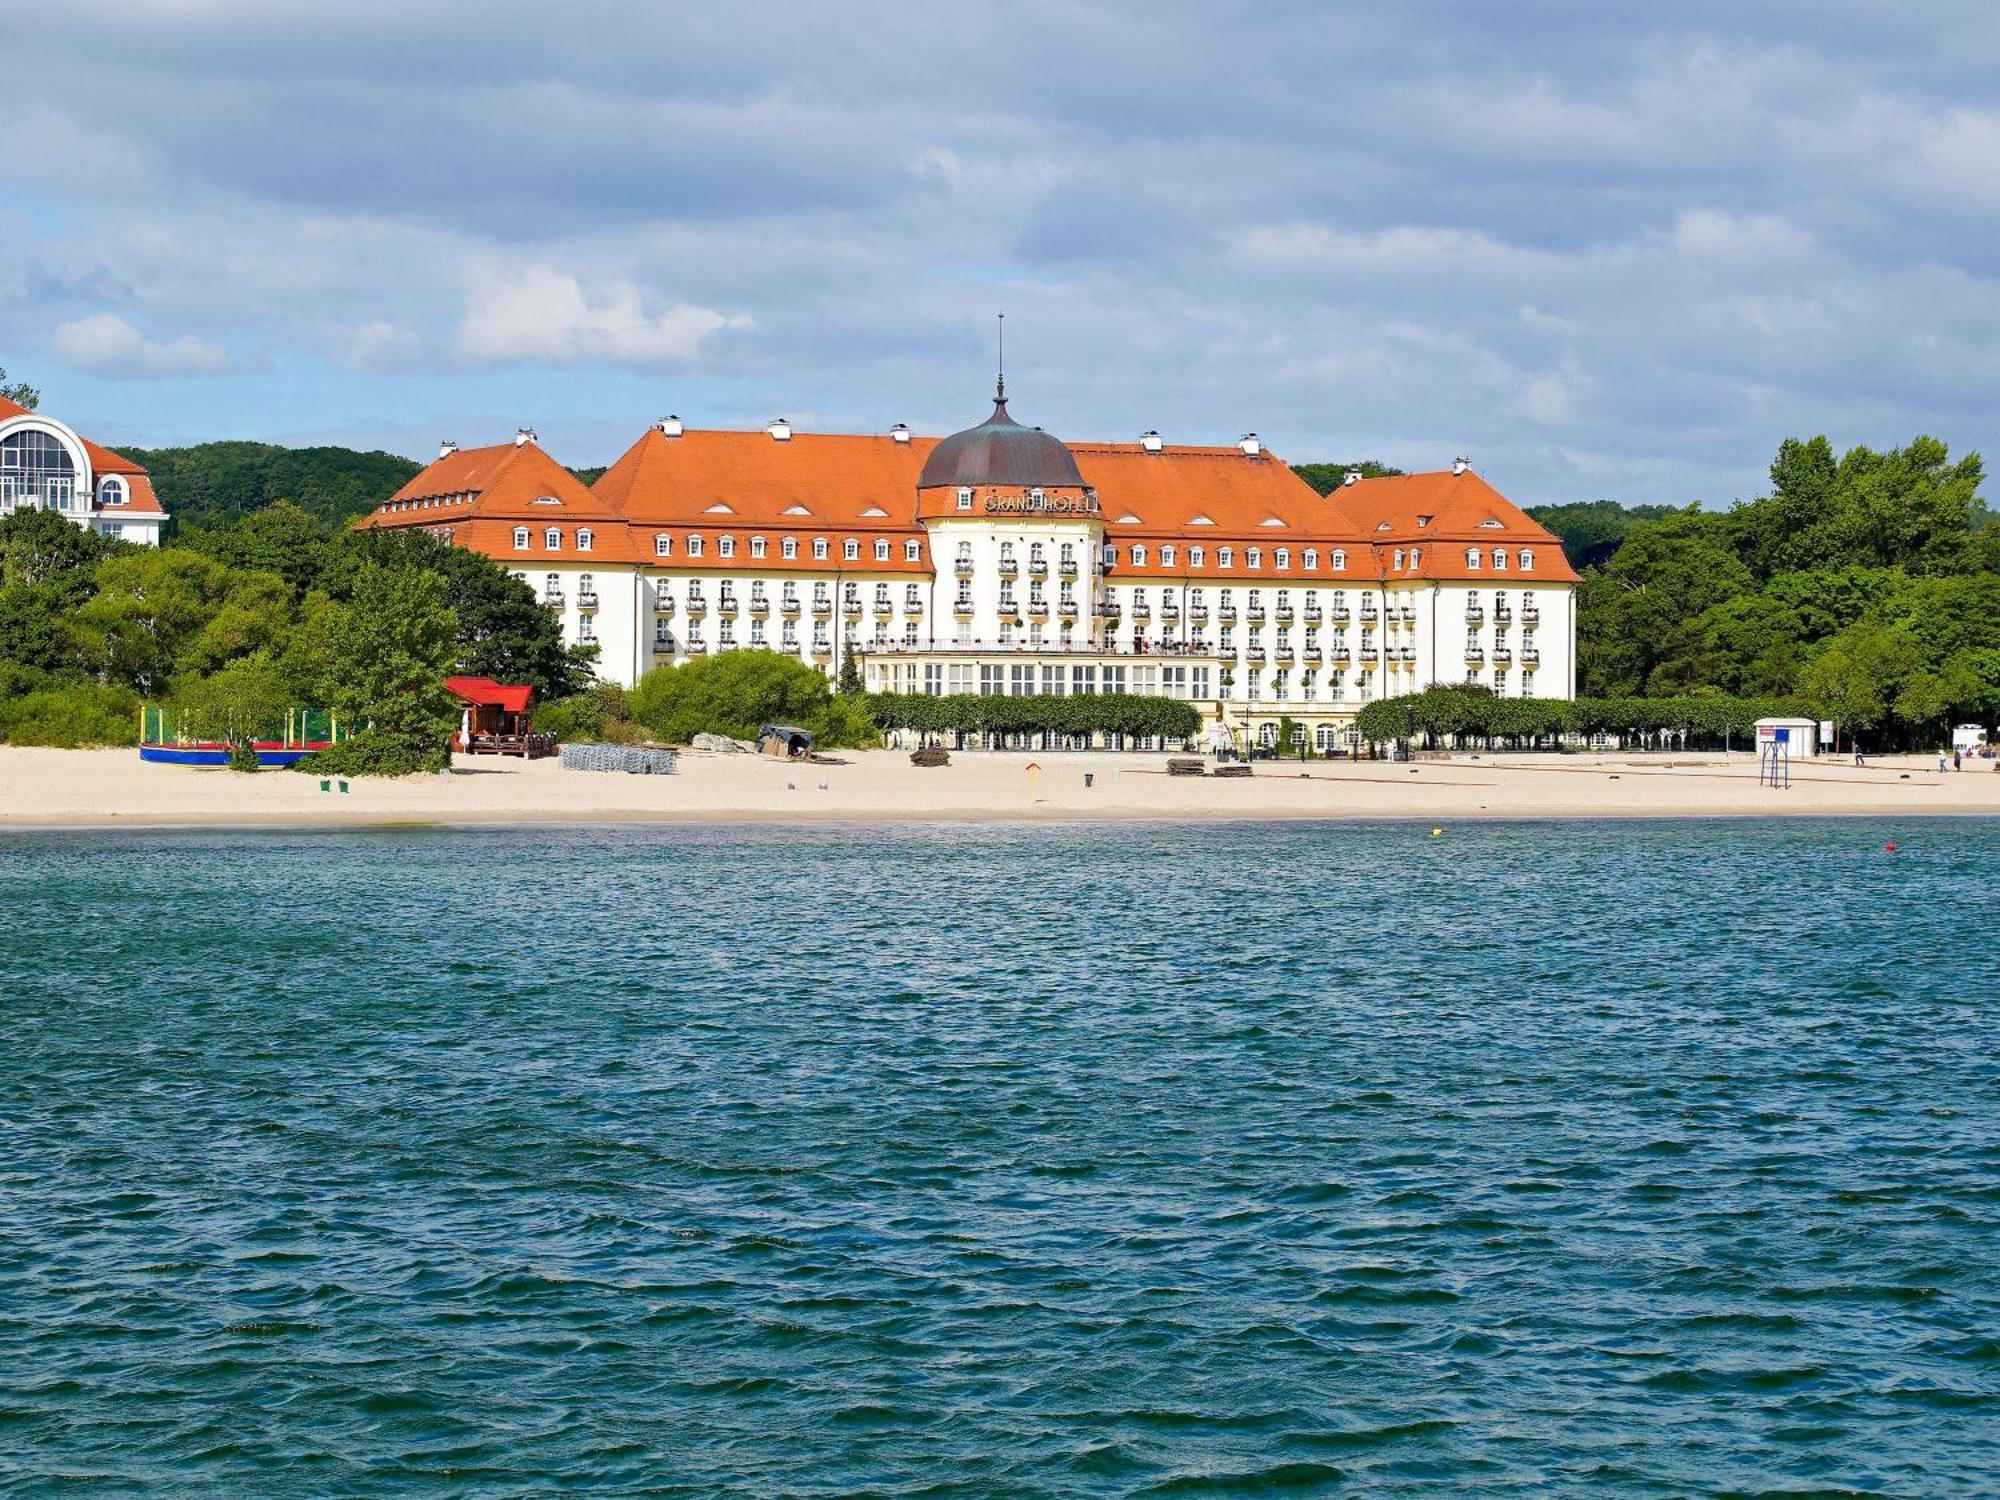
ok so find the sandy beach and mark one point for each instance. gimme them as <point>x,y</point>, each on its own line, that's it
<point>99,788</point>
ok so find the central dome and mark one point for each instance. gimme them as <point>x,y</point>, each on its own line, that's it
<point>1000,451</point>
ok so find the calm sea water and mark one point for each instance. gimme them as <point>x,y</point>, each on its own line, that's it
<point>1635,1159</point>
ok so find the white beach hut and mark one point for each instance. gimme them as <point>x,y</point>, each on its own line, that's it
<point>1800,737</point>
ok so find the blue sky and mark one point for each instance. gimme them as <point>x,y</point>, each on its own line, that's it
<point>1608,251</point>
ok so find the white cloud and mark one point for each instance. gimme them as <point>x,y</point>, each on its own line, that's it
<point>105,344</point>
<point>376,347</point>
<point>1716,235</point>
<point>542,314</point>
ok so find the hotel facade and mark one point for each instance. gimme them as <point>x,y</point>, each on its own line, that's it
<point>1002,560</point>
<point>47,465</point>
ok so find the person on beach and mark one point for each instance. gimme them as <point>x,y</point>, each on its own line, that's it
<point>1957,759</point>
<point>1857,754</point>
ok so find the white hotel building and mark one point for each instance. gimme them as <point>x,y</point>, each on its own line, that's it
<point>46,465</point>
<point>1001,560</point>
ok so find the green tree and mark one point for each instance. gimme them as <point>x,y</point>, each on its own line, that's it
<point>1591,531</point>
<point>393,646</point>
<point>19,392</point>
<point>1857,676</point>
<point>156,612</point>
<point>212,483</point>
<point>280,539</point>
<point>37,546</point>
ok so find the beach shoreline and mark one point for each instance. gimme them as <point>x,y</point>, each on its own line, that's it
<point>111,789</point>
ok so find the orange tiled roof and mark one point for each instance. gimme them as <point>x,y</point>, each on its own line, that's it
<point>484,495</point>
<point>141,499</point>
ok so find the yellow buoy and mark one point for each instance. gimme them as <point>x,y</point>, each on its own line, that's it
<point>1437,833</point>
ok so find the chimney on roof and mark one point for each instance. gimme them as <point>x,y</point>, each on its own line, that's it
<point>523,436</point>
<point>780,430</point>
<point>1150,441</point>
<point>1460,464</point>
<point>669,425</point>
<point>447,448</point>
<point>900,433</point>
<point>1352,476</point>
<point>1251,444</point>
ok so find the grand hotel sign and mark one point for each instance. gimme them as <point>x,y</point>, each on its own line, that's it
<point>1043,505</point>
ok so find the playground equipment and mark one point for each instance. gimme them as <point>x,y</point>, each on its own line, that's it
<point>170,739</point>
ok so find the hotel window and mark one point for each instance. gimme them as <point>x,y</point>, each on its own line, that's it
<point>965,552</point>
<point>1035,497</point>
<point>1527,561</point>
<point>725,546</point>
<point>791,595</point>
<point>694,546</point>
<point>663,545</point>
<point>964,499</point>
<point>1527,684</point>
<point>111,492</point>
<point>757,591</point>
<point>1311,559</point>
<point>756,632</point>
<point>694,590</point>
<point>1499,559</point>
<point>913,550</point>
<point>1198,678</point>
<point>584,537</point>
<point>757,546</point>
<point>552,539</point>
<point>1195,556</point>
<point>1472,558</point>
<point>881,549</point>
<point>850,550</point>
<point>1416,556</point>
<point>1399,559</point>
<point>552,586</point>
<point>1254,558</point>
<point>1285,559</point>
<point>521,539</point>
<point>586,586</point>
<point>789,548</point>
<point>586,629</point>
<point>1337,560</point>
<point>1138,554</point>
<point>881,596</point>
<point>1166,554</point>
<point>819,549</point>
<point>1225,557</point>
<point>1035,553</point>
<point>910,596</point>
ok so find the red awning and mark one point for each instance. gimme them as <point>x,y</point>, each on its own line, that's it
<point>484,691</point>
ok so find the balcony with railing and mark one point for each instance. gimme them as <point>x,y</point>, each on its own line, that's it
<point>696,606</point>
<point>1170,612</point>
<point>1531,656</point>
<point>851,607</point>
<point>1038,567</point>
<point>1253,651</point>
<point>1339,614</point>
<point>822,648</point>
<point>1255,614</point>
<point>1038,609</point>
<point>1313,614</point>
<point>1141,610</point>
<point>1368,614</point>
<point>883,605</point>
<point>1475,653</point>
<point>1068,567</point>
<point>963,567</point>
<point>760,607</point>
<point>1475,614</point>
<point>1502,651</point>
<point>1009,567</point>
<point>914,606</point>
<point>1531,614</point>
<point>1502,613</point>
<point>1284,652</point>
<point>664,605</point>
<point>1198,615</point>
<point>587,599</point>
<point>962,605</point>
<point>1067,608</point>
<point>1227,614</point>
<point>1285,615</point>
<point>694,648</point>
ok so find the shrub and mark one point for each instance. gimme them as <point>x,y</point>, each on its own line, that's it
<point>603,712</point>
<point>1083,713</point>
<point>71,716</point>
<point>243,757</point>
<point>733,693</point>
<point>847,722</point>
<point>372,753</point>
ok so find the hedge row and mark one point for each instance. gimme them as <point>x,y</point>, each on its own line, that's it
<point>1083,713</point>
<point>1449,711</point>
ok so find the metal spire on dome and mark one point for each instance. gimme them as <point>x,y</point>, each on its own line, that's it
<point>1000,384</point>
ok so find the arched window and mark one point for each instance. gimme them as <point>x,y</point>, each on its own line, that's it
<point>1527,560</point>
<point>1500,559</point>
<point>584,538</point>
<point>1472,558</point>
<point>521,539</point>
<point>552,539</point>
<point>1138,554</point>
<point>111,491</point>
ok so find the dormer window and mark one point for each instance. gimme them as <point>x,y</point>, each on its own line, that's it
<point>1416,556</point>
<point>1499,559</point>
<point>1338,560</point>
<point>965,497</point>
<point>725,546</point>
<point>1527,561</point>
<point>756,546</point>
<point>1138,554</point>
<point>1472,558</point>
<point>111,492</point>
<point>850,550</point>
<point>663,545</point>
<point>1035,497</point>
<point>694,546</point>
<point>913,550</point>
<point>547,500</point>
<point>552,539</point>
<point>1254,557</point>
<point>881,549</point>
<point>1310,561</point>
<point>1225,557</point>
<point>1284,559</point>
<point>1195,556</point>
<point>789,548</point>
<point>585,537</point>
<point>521,539</point>
<point>819,549</point>
<point>1399,559</point>
<point>1166,554</point>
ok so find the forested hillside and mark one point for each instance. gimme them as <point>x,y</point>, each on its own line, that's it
<point>212,484</point>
